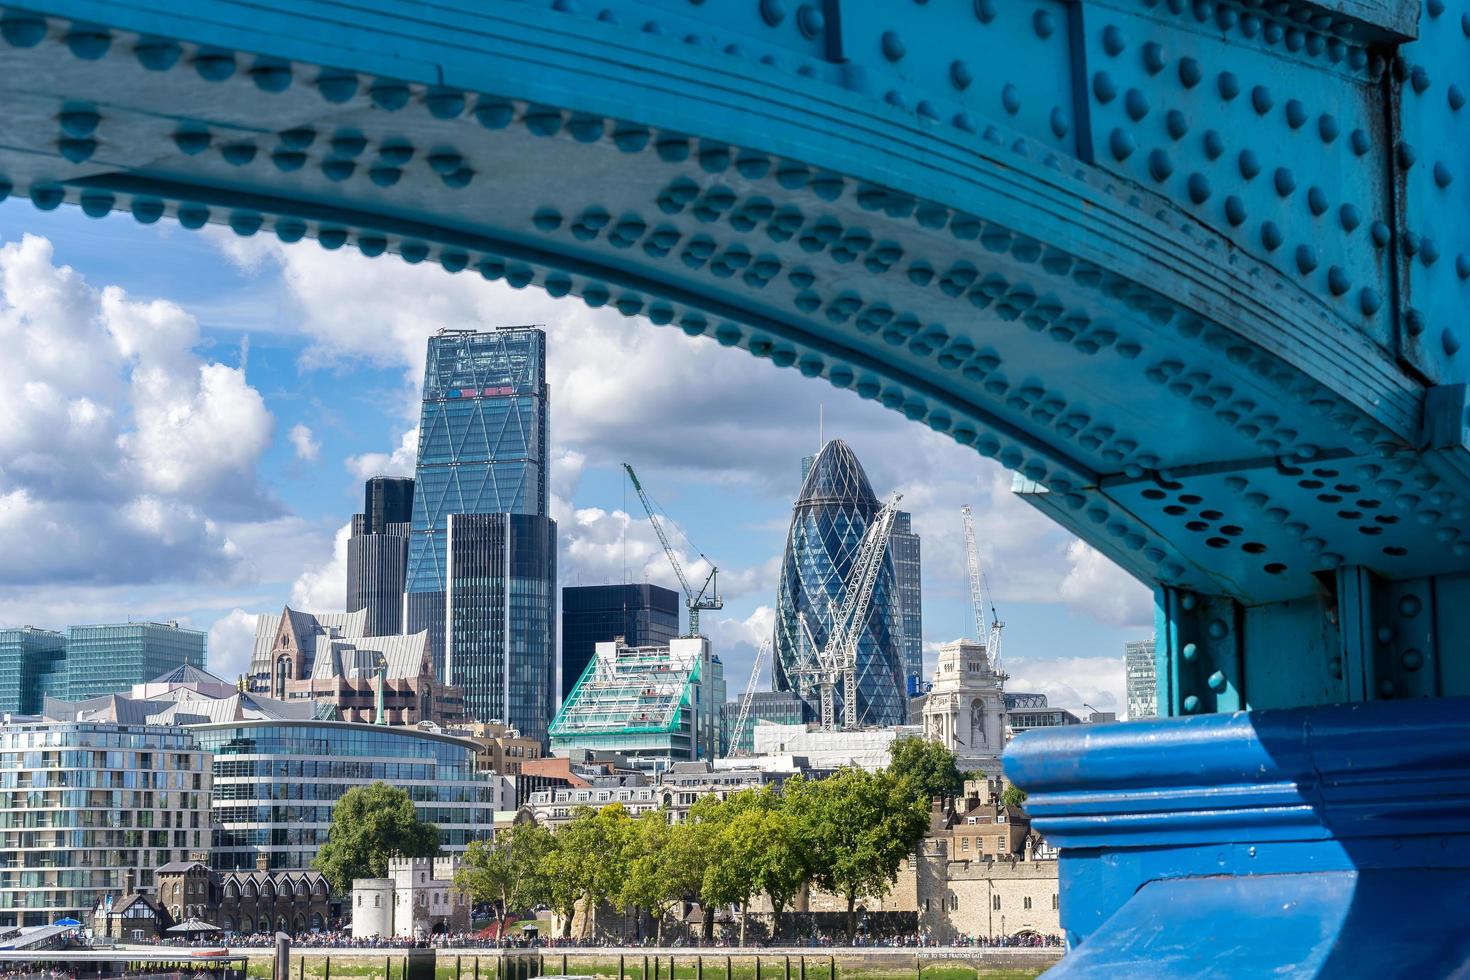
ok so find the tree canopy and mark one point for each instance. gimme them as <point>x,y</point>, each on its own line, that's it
<point>369,825</point>
<point>928,768</point>
<point>506,872</point>
<point>857,827</point>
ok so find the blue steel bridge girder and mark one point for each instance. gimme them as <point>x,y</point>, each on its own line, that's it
<point>1195,271</point>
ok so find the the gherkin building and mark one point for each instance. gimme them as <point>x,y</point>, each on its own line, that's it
<point>832,512</point>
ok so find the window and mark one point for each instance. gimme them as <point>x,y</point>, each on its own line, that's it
<point>1026,902</point>
<point>1054,900</point>
<point>1000,844</point>
<point>995,903</point>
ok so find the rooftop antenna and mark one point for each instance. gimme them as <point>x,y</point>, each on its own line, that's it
<point>626,521</point>
<point>821,425</point>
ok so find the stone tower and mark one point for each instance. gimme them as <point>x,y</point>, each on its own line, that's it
<point>965,709</point>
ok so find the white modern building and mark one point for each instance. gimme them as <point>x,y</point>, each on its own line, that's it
<point>965,708</point>
<point>1143,688</point>
<point>866,748</point>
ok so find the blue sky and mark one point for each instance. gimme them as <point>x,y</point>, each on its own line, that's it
<point>200,459</point>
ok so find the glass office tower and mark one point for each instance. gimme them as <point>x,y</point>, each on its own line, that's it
<point>643,615</point>
<point>903,546</point>
<point>111,659</point>
<point>832,512</point>
<point>377,554</point>
<point>487,598</point>
<point>32,665</point>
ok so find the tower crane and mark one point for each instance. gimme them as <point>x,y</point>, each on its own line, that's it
<point>745,701</point>
<point>990,636</point>
<point>708,596</point>
<point>837,660</point>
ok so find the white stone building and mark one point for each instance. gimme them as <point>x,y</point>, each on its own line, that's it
<point>416,900</point>
<point>965,708</point>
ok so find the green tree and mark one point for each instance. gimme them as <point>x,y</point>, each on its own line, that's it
<point>586,863</point>
<point>369,825</point>
<point>655,880</point>
<point>1013,796</point>
<point>733,874</point>
<point>858,827</point>
<point>928,768</point>
<point>785,864</point>
<point>506,872</point>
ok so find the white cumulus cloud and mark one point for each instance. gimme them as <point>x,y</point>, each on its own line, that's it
<point>305,444</point>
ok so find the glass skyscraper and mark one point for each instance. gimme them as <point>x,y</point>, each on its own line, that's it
<point>903,546</point>
<point>643,615</point>
<point>32,665</point>
<point>111,659</point>
<point>377,554</point>
<point>832,512</point>
<point>482,550</point>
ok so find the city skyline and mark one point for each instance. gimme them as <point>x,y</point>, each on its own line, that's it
<point>731,493</point>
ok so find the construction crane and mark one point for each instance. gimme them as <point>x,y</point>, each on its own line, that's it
<point>990,636</point>
<point>838,659</point>
<point>749,696</point>
<point>708,596</point>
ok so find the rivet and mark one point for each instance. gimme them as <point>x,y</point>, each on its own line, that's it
<point>1419,79</point>
<point>156,54</point>
<point>1316,200</point>
<point>1442,175</point>
<point>1327,127</point>
<point>1261,99</point>
<point>985,10</point>
<point>1250,164</point>
<point>1112,39</point>
<point>1216,681</point>
<point>1271,236</point>
<point>1411,660</point>
<point>20,31</point>
<point>960,77</point>
<point>1176,123</point>
<point>1043,23</point>
<point>1456,97</point>
<point>1296,113</point>
<point>1349,216</point>
<point>336,87</point>
<point>1229,85</point>
<point>1380,234</point>
<point>1160,166</point>
<point>1414,322</point>
<point>79,122</point>
<point>1198,186</point>
<point>1191,704</point>
<point>1190,72</point>
<point>773,11</point>
<point>1386,689</point>
<point>1153,58</point>
<point>1285,181</point>
<point>1337,281</point>
<point>810,21</point>
<point>1103,86</point>
<point>1121,144</point>
<point>271,77</point>
<point>445,103</point>
<point>1369,301</point>
<point>1218,629</point>
<point>1360,142</point>
<point>214,66</point>
<point>88,44</point>
<point>1010,98</point>
<point>893,46</point>
<point>1136,104</point>
<point>1188,651</point>
<point>1450,341</point>
<point>1407,154</point>
<point>1235,211</point>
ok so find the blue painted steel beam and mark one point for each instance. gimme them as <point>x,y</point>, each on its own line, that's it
<point>1195,271</point>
